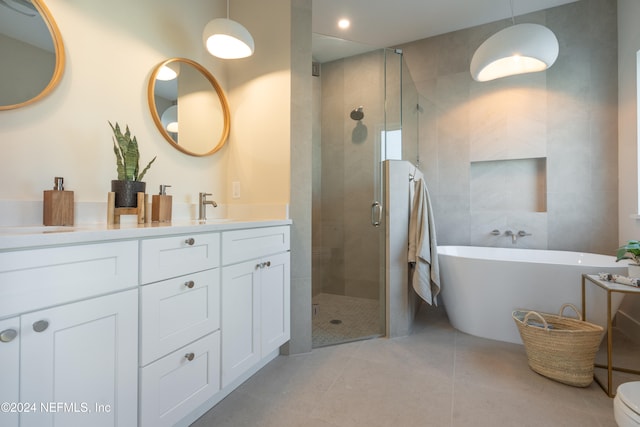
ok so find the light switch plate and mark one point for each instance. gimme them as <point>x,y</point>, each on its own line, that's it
<point>235,189</point>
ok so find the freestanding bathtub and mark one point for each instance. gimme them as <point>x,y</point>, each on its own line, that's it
<point>481,286</point>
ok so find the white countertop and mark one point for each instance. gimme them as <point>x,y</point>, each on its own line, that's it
<point>12,238</point>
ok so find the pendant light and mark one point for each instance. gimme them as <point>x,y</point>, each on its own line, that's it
<point>518,49</point>
<point>169,119</point>
<point>227,39</point>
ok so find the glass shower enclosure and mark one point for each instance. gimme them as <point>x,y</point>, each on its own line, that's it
<point>357,123</point>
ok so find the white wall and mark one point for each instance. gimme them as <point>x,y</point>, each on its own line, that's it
<point>111,49</point>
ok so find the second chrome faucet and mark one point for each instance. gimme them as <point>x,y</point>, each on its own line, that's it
<point>202,205</point>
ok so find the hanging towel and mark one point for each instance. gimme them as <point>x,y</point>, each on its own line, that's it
<point>423,248</point>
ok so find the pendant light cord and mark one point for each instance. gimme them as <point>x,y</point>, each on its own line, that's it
<point>513,19</point>
<point>228,9</point>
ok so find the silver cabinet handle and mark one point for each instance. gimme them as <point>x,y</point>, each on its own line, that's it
<point>376,214</point>
<point>190,241</point>
<point>190,284</point>
<point>40,326</point>
<point>267,264</point>
<point>8,335</point>
<point>189,356</point>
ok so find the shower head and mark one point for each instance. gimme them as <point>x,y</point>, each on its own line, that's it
<point>357,113</point>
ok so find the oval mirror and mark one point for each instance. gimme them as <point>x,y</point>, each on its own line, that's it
<point>189,107</point>
<point>31,50</point>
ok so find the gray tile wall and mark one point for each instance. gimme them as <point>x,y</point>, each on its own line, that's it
<point>346,248</point>
<point>566,115</point>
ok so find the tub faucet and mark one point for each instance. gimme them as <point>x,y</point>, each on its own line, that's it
<point>523,233</point>
<point>514,236</point>
<point>202,205</point>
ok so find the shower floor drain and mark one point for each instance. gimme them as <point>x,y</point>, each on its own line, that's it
<point>335,321</point>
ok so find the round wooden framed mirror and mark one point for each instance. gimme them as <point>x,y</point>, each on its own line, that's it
<point>31,50</point>
<point>189,107</point>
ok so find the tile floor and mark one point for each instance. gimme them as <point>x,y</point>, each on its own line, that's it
<point>359,318</point>
<point>435,377</point>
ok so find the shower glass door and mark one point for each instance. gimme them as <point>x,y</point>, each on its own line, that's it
<point>350,94</point>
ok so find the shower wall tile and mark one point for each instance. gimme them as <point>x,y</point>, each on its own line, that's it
<point>567,114</point>
<point>534,223</point>
<point>452,219</point>
<point>453,53</point>
<point>482,225</point>
<point>350,245</point>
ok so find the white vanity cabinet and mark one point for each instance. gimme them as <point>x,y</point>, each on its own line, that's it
<point>142,326</point>
<point>10,368</point>
<point>179,326</point>
<point>74,312</point>
<point>255,297</point>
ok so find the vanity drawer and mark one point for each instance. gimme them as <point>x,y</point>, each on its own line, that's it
<point>178,311</point>
<point>243,245</point>
<point>38,278</point>
<point>174,386</point>
<point>175,256</point>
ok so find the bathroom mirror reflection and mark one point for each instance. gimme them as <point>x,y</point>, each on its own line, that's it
<point>31,50</point>
<point>189,107</point>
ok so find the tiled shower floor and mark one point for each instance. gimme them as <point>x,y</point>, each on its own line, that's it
<point>340,319</point>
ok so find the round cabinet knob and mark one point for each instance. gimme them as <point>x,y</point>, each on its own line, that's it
<point>190,284</point>
<point>190,241</point>
<point>268,263</point>
<point>259,266</point>
<point>40,325</point>
<point>8,335</point>
<point>189,356</point>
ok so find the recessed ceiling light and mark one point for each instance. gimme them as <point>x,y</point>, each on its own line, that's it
<point>344,23</point>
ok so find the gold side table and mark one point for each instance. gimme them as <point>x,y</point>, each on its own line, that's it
<point>609,287</point>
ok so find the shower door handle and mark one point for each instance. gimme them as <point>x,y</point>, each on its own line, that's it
<point>376,214</point>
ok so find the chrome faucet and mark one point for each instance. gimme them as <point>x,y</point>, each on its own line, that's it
<point>202,205</point>
<point>514,236</point>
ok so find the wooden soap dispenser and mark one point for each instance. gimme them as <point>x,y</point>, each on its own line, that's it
<point>161,206</point>
<point>58,205</point>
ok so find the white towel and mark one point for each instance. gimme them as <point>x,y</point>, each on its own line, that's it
<point>423,248</point>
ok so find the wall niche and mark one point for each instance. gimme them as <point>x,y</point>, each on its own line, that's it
<point>509,185</point>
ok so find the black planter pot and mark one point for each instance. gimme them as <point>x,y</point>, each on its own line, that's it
<point>127,192</point>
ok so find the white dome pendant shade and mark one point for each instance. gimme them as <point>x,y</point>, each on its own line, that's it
<point>169,119</point>
<point>227,39</point>
<point>518,49</point>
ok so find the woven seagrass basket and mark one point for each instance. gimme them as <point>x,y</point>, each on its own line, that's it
<point>558,347</point>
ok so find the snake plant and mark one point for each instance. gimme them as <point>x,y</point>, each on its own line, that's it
<point>127,155</point>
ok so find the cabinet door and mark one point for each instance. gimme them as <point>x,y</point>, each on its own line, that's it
<point>80,361</point>
<point>177,384</point>
<point>9,368</point>
<point>240,324</point>
<point>275,302</point>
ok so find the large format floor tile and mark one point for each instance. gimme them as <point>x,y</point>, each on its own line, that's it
<point>436,377</point>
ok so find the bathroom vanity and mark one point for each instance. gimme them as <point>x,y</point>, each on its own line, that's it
<point>147,325</point>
